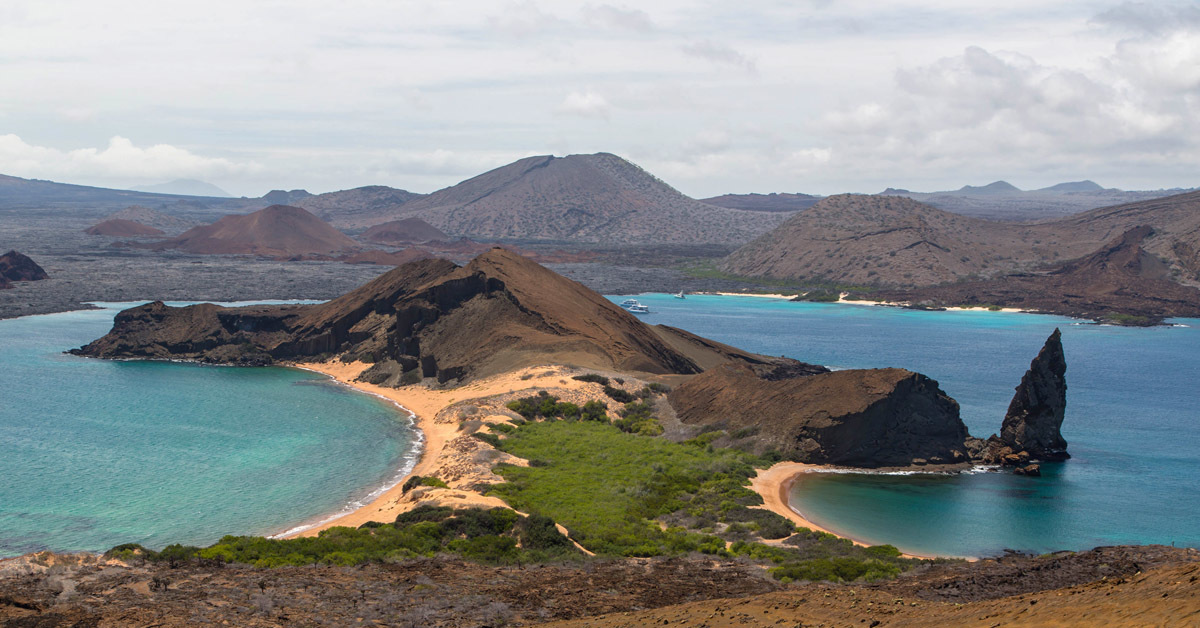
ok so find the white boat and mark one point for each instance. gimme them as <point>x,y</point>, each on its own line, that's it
<point>639,309</point>
<point>629,303</point>
<point>679,295</point>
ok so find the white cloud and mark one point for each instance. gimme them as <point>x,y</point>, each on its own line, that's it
<point>121,160</point>
<point>721,54</point>
<point>1003,113</point>
<point>588,104</point>
<point>1151,18</point>
<point>618,18</point>
<point>818,95</point>
<point>525,19</point>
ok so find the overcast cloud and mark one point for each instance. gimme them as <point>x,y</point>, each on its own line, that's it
<point>821,96</point>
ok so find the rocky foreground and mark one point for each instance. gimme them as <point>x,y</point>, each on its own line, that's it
<point>1135,586</point>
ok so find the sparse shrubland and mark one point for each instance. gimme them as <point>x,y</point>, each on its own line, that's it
<point>488,536</point>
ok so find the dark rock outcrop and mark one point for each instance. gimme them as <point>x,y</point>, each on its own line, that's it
<point>428,318</point>
<point>864,418</point>
<point>1035,415</point>
<point>17,267</point>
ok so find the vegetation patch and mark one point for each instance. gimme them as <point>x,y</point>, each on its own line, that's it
<point>493,536</point>
<point>621,494</point>
<point>592,378</point>
<point>638,418</point>
<point>417,480</point>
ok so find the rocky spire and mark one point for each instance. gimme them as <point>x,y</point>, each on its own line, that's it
<point>1035,414</point>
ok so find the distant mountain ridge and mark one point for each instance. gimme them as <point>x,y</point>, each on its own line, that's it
<point>773,202</point>
<point>1001,200</point>
<point>188,187</point>
<point>897,241</point>
<point>598,198</point>
<point>354,206</point>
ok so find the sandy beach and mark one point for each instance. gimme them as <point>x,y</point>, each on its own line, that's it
<point>760,295</point>
<point>447,452</point>
<point>1011,310</point>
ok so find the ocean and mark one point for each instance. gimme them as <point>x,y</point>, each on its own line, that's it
<point>96,453</point>
<point>1132,423</point>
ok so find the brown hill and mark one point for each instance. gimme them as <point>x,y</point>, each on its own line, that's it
<point>896,241</point>
<point>17,267</point>
<point>403,231</point>
<point>1121,282</point>
<point>357,207</point>
<point>1174,219</point>
<point>277,231</point>
<point>428,318</point>
<point>597,198</point>
<point>773,202</point>
<point>152,218</point>
<point>878,417</point>
<point>122,228</point>
<point>889,240</point>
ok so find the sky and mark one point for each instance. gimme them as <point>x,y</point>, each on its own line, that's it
<point>815,96</point>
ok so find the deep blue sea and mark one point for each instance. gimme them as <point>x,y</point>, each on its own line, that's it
<point>96,453</point>
<point>1132,422</point>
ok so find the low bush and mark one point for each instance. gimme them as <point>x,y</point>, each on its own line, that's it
<point>496,535</point>
<point>545,406</point>
<point>592,378</point>
<point>637,418</point>
<point>620,395</point>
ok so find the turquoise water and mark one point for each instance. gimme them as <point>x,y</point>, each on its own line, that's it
<point>96,453</point>
<point>1133,423</point>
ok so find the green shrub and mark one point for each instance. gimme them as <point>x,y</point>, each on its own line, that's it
<point>417,480</point>
<point>837,570</point>
<point>704,440</point>
<point>594,411</point>
<point>485,535</point>
<point>637,418</point>
<point>619,395</point>
<point>592,378</point>
<point>490,439</point>
<point>543,405</point>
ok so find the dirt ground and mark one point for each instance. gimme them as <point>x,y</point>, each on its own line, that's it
<point>1135,586</point>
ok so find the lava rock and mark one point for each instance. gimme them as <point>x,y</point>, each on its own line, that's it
<point>1032,470</point>
<point>1035,415</point>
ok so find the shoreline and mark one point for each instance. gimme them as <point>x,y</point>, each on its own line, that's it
<point>444,446</point>
<point>953,308</point>
<point>757,295</point>
<point>775,483</point>
<point>410,462</point>
<point>423,405</point>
